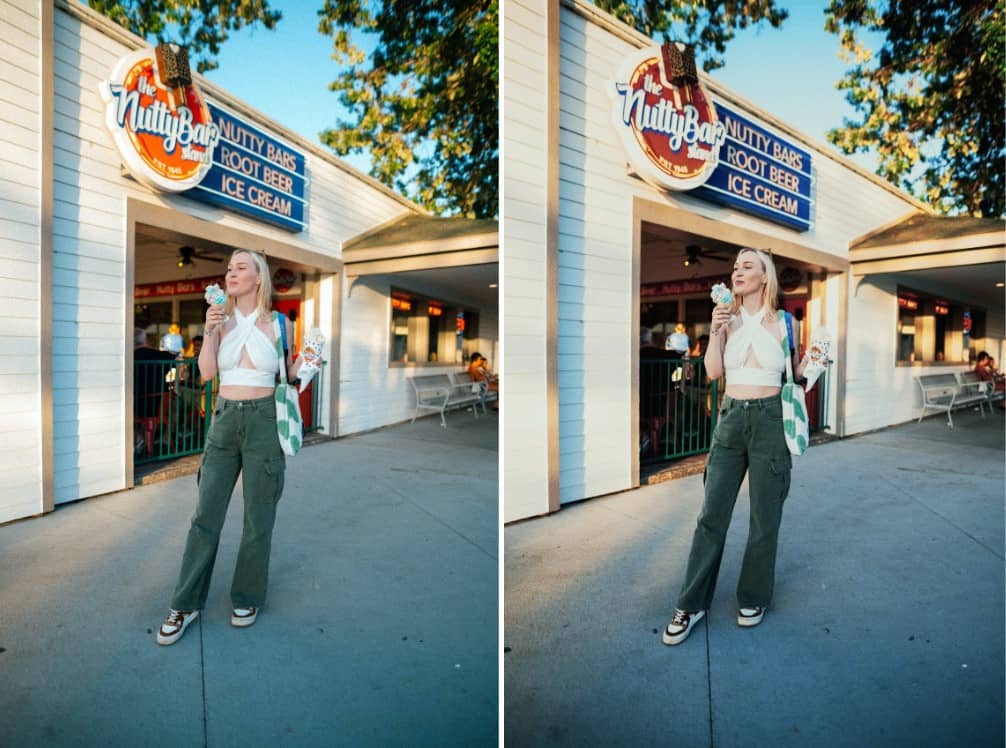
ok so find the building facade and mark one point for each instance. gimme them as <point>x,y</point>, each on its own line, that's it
<point>596,245</point>
<point>92,251</point>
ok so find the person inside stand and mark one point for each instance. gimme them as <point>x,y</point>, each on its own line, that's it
<point>192,379</point>
<point>240,344</point>
<point>149,380</point>
<point>746,343</point>
<point>648,350</point>
<point>654,390</point>
<point>172,341</point>
<point>193,411</point>
<point>677,341</point>
<point>986,370</point>
<point>701,344</point>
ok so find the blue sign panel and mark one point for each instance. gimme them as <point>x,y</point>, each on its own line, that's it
<point>761,173</point>
<point>255,174</point>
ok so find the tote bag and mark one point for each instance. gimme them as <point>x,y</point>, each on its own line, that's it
<point>289,423</point>
<point>794,406</point>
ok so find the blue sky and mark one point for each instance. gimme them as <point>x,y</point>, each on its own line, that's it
<point>790,73</point>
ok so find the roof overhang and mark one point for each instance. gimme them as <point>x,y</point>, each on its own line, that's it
<point>929,242</point>
<point>413,242</point>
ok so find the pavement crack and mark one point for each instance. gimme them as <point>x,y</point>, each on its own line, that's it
<point>202,677</point>
<point>950,522</point>
<point>427,512</point>
<point>709,686</point>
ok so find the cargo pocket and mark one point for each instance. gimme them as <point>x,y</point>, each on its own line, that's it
<point>275,475</point>
<point>782,468</point>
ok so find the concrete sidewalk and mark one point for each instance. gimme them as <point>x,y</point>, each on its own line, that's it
<point>380,628</point>
<point>886,628</point>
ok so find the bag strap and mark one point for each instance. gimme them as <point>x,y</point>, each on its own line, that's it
<point>282,329</point>
<point>279,331</point>
<point>784,342</point>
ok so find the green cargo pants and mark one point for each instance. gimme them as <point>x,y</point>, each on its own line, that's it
<point>242,438</point>
<point>748,438</point>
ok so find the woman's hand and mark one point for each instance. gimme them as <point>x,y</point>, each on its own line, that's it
<point>214,318</point>
<point>721,317</point>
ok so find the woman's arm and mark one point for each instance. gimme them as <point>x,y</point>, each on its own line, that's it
<point>212,332</point>
<point>719,328</point>
<point>714,353</point>
<point>799,365</point>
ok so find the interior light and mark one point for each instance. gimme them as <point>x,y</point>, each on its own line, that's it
<point>1000,284</point>
<point>493,285</point>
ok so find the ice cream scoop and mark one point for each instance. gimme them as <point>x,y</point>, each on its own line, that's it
<point>215,295</point>
<point>721,294</point>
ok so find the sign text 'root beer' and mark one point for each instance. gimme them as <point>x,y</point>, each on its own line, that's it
<point>159,120</point>
<point>665,118</point>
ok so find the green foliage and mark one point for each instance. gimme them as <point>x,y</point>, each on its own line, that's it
<point>200,25</point>
<point>707,26</point>
<point>425,103</point>
<point>931,100</point>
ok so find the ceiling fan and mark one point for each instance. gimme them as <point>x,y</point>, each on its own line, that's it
<point>694,254</point>
<point>188,255</point>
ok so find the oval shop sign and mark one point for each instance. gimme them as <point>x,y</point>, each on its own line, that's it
<point>665,118</point>
<point>159,120</point>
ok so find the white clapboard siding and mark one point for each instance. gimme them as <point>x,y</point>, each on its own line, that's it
<point>371,392</point>
<point>595,271</point>
<point>525,434</point>
<point>20,212</point>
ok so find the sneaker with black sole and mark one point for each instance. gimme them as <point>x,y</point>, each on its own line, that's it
<point>174,625</point>
<point>748,617</point>
<point>681,626</point>
<point>242,617</point>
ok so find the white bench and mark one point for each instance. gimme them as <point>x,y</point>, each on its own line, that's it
<point>944,392</point>
<point>970,379</point>
<point>441,392</point>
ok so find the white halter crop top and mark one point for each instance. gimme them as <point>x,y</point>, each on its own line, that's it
<point>747,333</point>
<point>262,352</point>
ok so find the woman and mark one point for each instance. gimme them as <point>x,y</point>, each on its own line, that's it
<point>747,343</point>
<point>240,344</point>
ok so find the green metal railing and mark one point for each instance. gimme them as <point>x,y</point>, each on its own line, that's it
<point>172,409</point>
<point>678,408</point>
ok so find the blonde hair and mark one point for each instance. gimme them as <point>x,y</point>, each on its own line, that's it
<point>770,291</point>
<point>264,298</point>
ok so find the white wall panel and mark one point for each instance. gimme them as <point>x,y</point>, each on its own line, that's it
<point>595,270</point>
<point>525,436</point>
<point>20,217</point>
